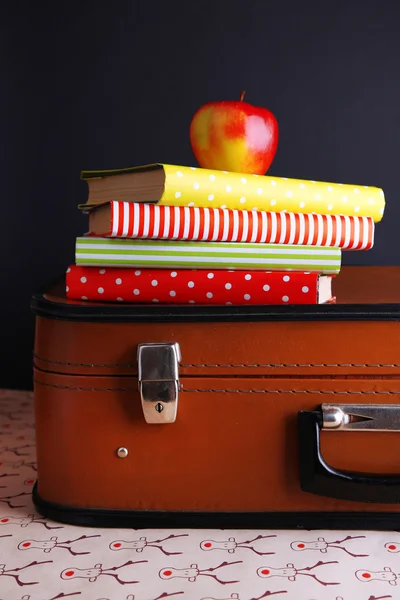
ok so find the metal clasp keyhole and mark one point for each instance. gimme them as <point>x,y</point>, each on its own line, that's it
<point>159,407</point>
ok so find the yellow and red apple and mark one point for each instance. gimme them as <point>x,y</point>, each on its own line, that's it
<point>234,136</point>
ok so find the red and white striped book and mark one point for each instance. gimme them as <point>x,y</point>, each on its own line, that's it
<point>186,286</point>
<point>151,221</point>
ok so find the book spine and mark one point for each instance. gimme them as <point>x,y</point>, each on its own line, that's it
<point>95,251</point>
<point>149,221</point>
<point>190,186</point>
<point>190,287</point>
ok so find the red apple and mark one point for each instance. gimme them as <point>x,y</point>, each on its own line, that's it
<point>234,136</point>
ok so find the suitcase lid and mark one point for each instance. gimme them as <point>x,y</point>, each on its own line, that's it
<point>357,337</point>
<point>362,293</point>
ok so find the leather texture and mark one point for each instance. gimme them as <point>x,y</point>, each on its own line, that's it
<point>233,446</point>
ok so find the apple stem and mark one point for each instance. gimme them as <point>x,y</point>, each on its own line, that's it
<point>242,95</point>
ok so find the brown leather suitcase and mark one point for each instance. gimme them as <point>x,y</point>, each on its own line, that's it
<point>221,416</point>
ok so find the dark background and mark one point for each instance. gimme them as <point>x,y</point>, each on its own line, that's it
<point>94,84</point>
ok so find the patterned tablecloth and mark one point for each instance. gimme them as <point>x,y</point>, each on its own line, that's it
<point>44,560</point>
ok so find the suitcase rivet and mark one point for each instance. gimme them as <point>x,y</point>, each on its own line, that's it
<point>159,407</point>
<point>122,452</point>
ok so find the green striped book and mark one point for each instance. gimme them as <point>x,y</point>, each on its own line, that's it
<point>109,252</point>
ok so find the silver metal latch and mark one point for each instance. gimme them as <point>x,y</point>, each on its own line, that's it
<point>361,417</point>
<point>159,381</point>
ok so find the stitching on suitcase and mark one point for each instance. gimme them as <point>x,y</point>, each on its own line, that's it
<point>91,389</point>
<point>85,389</point>
<point>73,364</point>
<point>256,365</point>
<point>332,392</point>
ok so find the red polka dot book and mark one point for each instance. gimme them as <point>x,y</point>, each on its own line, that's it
<point>197,286</point>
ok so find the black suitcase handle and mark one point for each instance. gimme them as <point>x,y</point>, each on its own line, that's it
<point>317,477</point>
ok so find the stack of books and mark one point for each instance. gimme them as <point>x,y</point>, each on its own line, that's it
<point>187,235</point>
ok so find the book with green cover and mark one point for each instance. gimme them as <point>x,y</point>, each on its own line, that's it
<point>110,252</point>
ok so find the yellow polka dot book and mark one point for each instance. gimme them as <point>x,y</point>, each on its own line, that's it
<point>180,234</point>
<point>172,185</point>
